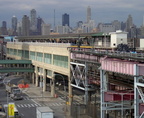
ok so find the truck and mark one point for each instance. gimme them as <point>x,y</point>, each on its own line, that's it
<point>14,92</point>
<point>44,112</point>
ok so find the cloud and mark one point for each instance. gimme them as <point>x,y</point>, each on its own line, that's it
<point>76,8</point>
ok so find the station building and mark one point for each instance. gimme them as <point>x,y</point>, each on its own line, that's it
<point>54,63</point>
<point>51,59</point>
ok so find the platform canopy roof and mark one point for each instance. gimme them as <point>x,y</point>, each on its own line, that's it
<point>100,34</point>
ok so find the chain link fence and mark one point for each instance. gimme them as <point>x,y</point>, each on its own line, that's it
<point>85,111</point>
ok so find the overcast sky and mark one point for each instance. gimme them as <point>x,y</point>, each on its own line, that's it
<point>102,10</point>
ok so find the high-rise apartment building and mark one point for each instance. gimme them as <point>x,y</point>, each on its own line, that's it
<point>123,26</point>
<point>65,19</point>
<point>79,24</point>
<point>63,29</point>
<point>116,24</point>
<point>88,14</point>
<point>14,23</point>
<point>19,28</point>
<point>46,29</point>
<point>106,27</point>
<point>33,20</point>
<point>25,25</point>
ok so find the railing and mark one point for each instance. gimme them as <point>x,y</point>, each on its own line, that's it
<point>41,44</point>
<point>110,53</point>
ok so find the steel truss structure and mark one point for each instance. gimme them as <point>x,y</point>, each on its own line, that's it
<point>139,96</point>
<point>137,104</point>
<point>78,75</point>
<point>113,105</point>
<point>79,78</point>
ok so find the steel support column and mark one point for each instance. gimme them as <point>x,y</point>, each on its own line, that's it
<point>70,91</point>
<point>138,93</point>
<point>52,84</point>
<point>102,90</point>
<point>86,100</point>
<point>33,77</point>
<point>44,79</point>
<point>36,72</point>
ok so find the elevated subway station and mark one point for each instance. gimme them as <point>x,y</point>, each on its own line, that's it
<point>121,79</point>
<point>126,98</point>
<point>81,68</point>
<point>50,61</point>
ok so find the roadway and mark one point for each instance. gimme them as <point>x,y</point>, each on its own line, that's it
<point>26,107</point>
<point>33,98</point>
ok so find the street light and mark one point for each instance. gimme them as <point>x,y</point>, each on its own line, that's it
<point>5,81</point>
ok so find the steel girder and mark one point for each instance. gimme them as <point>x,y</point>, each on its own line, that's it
<point>78,75</point>
<point>139,96</point>
<point>106,106</point>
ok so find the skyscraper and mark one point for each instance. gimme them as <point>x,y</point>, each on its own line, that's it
<point>14,23</point>
<point>4,24</point>
<point>25,25</point>
<point>129,26</point>
<point>88,14</point>
<point>4,28</point>
<point>33,20</point>
<point>19,28</point>
<point>65,19</point>
<point>116,24</point>
<point>46,29</point>
<point>129,23</point>
<point>79,23</point>
<point>39,25</point>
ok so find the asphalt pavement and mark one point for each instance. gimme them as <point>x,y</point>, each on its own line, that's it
<point>45,98</point>
<point>40,98</point>
<point>34,91</point>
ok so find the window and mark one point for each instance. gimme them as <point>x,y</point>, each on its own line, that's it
<point>61,61</point>
<point>20,53</point>
<point>27,54</point>
<point>32,55</point>
<point>39,57</point>
<point>47,58</point>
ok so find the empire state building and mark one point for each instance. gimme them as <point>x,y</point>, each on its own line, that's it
<point>88,14</point>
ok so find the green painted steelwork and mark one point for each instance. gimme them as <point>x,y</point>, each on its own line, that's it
<point>15,62</point>
<point>3,67</point>
<point>13,69</point>
<point>100,34</point>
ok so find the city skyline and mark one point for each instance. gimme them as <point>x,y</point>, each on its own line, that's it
<point>101,11</point>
